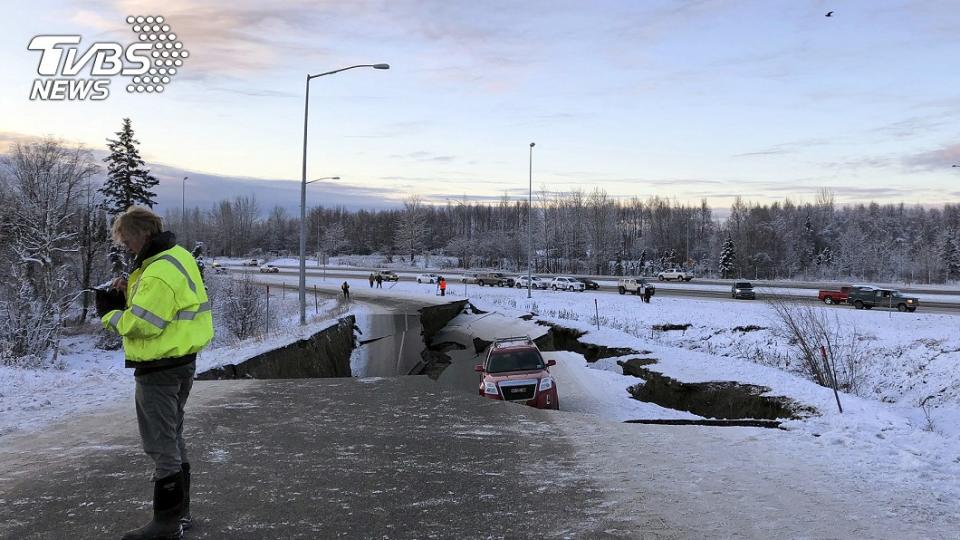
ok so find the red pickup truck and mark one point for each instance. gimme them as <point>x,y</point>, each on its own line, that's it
<point>835,297</point>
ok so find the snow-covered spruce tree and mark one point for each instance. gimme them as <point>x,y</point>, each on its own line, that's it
<point>129,181</point>
<point>45,181</point>
<point>727,255</point>
<point>198,256</point>
<point>950,253</point>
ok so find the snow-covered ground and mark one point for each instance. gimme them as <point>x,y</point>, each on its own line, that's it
<point>883,428</point>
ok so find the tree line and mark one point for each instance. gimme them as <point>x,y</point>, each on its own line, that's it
<point>592,233</point>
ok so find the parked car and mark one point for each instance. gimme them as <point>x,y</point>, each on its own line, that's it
<point>269,269</point>
<point>869,298</point>
<point>427,278</point>
<point>494,279</point>
<point>564,283</point>
<point>388,275</point>
<point>589,284</point>
<point>834,297</point>
<point>536,282</point>
<point>742,290</point>
<point>469,277</point>
<point>674,274</point>
<point>635,286</point>
<point>514,370</point>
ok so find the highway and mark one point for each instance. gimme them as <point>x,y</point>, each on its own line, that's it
<point>694,289</point>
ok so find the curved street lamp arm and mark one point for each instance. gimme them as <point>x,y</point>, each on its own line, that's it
<point>343,69</point>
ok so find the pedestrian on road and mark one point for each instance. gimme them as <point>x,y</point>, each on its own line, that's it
<point>443,286</point>
<point>346,291</point>
<point>371,280</point>
<point>379,281</point>
<point>164,322</point>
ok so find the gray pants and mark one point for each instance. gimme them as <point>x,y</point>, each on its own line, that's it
<point>161,397</point>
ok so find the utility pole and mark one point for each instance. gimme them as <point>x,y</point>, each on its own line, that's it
<point>530,228</point>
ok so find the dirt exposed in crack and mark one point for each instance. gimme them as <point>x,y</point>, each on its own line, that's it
<point>749,328</point>
<point>715,399</point>
<point>671,327</point>
<point>560,338</point>
<point>324,354</point>
<point>433,359</point>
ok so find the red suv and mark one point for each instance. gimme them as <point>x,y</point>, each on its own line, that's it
<point>515,371</point>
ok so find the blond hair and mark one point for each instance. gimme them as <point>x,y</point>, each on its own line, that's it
<point>136,222</point>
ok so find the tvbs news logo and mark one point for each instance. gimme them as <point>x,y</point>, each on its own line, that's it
<point>146,66</point>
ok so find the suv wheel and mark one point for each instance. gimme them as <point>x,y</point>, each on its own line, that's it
<point>901,307</point>
<point>858,304</point>
<point>621,290</point>
<point>660,277</point>
<point>554,287</point>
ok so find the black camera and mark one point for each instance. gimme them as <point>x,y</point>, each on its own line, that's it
<point>108,299</point>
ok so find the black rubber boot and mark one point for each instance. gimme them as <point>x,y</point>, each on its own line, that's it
<point>167,506</point>
<point>186,520</point>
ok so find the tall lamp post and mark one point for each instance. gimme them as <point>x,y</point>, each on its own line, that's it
<point>303,187</point>
<point>530,227</point>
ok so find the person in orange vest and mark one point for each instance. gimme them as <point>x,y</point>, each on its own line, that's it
<point>443,286</point>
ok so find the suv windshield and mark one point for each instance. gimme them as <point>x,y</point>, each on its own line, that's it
<point>514,361</point>
<point>743,285</point>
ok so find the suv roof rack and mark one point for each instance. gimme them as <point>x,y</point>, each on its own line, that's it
<point>507,340</point>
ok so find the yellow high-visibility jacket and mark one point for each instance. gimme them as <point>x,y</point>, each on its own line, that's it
<point>168,313</point>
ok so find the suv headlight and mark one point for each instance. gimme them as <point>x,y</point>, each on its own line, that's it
<point>546,383</point>
<point>490,388</point>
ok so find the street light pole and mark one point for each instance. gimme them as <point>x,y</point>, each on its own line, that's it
<point>530,227</point>
<point>303,187</point>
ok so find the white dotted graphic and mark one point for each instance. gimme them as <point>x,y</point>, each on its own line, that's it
<point>167,51</point>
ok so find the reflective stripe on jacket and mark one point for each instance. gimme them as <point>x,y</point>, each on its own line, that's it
<point>168,313</point>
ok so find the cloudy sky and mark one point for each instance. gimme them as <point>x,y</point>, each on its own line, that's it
<point>765,99</point>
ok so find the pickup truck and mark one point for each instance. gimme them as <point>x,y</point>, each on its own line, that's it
<point>675,273</point>
<point>868,298</point>
<point>494,279</point>
<point>637,286</point>
<point>834,297</point>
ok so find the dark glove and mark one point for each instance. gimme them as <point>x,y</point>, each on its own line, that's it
<point>108,300</point>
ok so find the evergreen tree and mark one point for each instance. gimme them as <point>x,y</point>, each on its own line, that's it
<point>198,256</point>
<point>129,182</point>
<point>618,266</point>
<point>950,251</point>
<point>727,255</point>
<point>825,257</point>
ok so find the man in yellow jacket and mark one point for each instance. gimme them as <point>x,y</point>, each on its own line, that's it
<point>165,322</point>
